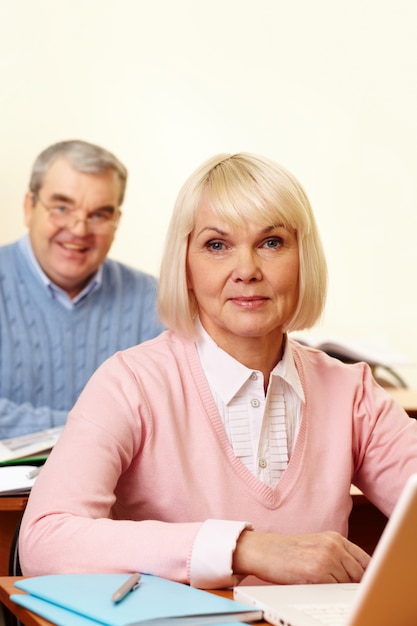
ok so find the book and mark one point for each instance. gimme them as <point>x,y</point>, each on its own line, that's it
<point>31,459</point>
<point>156,602</point>
<point>19,448</point>
<point>62,617</point>
<point>17,479</point>
<point>52,612</point>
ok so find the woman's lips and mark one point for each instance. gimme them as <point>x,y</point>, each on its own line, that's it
<point>249,302</point>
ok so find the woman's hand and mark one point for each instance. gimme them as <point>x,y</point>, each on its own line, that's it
<point>325,557</point>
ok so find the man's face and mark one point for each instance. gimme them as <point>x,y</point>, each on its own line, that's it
<point>70,254</point>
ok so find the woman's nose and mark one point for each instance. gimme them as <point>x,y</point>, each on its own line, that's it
<point>247,266</point>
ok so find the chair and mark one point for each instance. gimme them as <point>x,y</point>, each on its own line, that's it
<point>14,570</point>
<point>384,375</point>
<point>14,561</point>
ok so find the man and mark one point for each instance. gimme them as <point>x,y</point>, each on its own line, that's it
<point>64,306</point>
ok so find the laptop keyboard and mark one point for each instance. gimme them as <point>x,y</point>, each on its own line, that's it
<point>330,614</point>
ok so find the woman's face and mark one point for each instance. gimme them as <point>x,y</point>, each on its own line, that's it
<point>244,278</point>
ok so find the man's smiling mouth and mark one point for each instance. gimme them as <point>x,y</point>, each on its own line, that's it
<point>74,246</point>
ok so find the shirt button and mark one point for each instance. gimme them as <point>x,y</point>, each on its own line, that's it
<point>255,402</point>
<point>263,463</point>
<point>254,376</point>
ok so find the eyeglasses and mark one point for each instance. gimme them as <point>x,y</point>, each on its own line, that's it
<point>100,221</point>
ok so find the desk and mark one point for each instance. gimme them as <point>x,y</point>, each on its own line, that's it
<point>11,508</point>
<point>31,619</point>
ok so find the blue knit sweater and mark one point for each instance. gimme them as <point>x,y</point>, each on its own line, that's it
<point>47,352</point>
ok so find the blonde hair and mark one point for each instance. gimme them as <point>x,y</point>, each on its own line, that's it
<point>241,187</point>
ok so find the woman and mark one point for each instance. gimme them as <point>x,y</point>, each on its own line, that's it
<point>203,455</point>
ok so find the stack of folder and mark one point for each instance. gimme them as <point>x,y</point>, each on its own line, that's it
<point>86,600</point>
<point>29,448</point>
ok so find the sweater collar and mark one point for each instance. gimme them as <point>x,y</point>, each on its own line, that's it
<point>227,375</point>
<point>55,291</point>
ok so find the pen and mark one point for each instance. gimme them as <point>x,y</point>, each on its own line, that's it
<point>129,585</point>
<point>33,473</point>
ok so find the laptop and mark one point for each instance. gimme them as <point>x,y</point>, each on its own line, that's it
<point>387,594</point>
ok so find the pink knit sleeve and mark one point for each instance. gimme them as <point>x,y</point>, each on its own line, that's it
<point>70,524</point>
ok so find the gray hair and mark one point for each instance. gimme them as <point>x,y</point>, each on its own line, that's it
<point>83,156</point>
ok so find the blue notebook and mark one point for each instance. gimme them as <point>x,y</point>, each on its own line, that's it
<point>86,599</point>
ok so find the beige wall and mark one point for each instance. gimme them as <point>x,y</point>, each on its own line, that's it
<point>328,88</point>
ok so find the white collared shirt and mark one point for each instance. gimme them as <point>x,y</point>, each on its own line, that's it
<point>248,418</point>
<point>55,291</point>
<point>261,429</point>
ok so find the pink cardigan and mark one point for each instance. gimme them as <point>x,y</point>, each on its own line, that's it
<point>145,443</point>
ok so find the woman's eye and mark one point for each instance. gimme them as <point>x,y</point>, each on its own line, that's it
<point>275,242</point>
<point>215,245</point>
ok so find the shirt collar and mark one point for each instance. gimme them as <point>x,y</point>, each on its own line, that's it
<point>54,290</point>
<point>227,375</point>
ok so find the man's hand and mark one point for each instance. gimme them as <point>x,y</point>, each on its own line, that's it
<point>325,557</point>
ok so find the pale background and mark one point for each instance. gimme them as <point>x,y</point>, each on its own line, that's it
<point>326,87</point>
